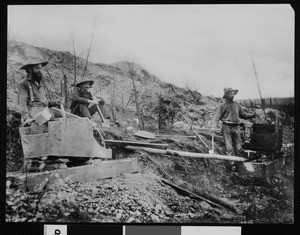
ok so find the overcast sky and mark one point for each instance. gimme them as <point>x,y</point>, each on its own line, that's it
<point>207,47</point>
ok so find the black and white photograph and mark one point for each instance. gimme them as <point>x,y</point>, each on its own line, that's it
<point>150,114</point>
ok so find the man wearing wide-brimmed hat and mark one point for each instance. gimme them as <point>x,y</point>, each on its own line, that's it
<point>230,112</point>
<point>83,104</point>
<point>32,95</point>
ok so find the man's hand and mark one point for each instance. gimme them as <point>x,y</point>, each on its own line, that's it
<point>93,102</point>
<point>27,122</point>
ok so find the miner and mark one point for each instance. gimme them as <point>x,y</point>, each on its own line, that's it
<point>83,103</point>
<point>229,113</point>
<point>32,95</point>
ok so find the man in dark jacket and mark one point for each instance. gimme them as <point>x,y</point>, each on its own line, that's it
<point>32,95</point>
<point>230,112</point>
<point>83,103</point>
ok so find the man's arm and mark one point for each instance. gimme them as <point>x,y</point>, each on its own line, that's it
<point>75,97</point>
<point>22,100</point>
<point>245,115</point>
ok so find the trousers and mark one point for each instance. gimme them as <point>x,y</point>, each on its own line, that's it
<point>83,110</point>
<point>232,139</point>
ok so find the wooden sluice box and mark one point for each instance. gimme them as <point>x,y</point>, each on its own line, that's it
<point>264,170</point>
<point>68,137</point>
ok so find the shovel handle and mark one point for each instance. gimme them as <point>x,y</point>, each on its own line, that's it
<point>201,139</point>
<point>62,110</point>
<point>101,115</point>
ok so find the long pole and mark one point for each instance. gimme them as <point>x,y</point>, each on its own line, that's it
<point>186,154</point>
<point>262,103</point>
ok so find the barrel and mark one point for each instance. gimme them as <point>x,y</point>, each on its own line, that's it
<point>266,137</point>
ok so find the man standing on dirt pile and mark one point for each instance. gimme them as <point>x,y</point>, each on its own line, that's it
<point>229,112</point>
<point>32,95</point>
<point>83,103</point>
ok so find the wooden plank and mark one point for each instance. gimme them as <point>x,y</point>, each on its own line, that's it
<point>98,170</point>
<point>188,154</point>
<point>131,143</point>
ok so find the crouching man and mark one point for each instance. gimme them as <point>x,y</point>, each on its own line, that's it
<point>83,104</point>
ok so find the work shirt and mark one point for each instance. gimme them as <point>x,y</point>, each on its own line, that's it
<point>81,96</point>
<point>33,95</point>
<point>230,112</point>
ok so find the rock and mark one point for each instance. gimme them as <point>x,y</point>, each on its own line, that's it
<point>90,210</point>
<point>157,208</point>
<point>181,125</point>
<point>118,216</point>
<point>226,216</point>
<point>204,205</point>
<point>138,213</point>
<point>130,220</point>
<point>136,120</point>
<point>155,218</point>
<point>130,128</point>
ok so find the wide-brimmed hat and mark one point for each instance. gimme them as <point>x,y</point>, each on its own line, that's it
<point>229,89</point>
<point>31,63</point>
<point>84,80</point>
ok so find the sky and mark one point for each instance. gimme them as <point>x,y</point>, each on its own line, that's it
<point>204,47</point>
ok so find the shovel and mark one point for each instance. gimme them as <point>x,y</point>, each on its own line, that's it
<point>43,116</point>
<point>101,115</point>
<point>212,150</point>
<point>148,135</point>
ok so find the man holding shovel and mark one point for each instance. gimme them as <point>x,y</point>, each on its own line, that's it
<point>83,104</point>
<point>32,95</point>
<point>230,112</point>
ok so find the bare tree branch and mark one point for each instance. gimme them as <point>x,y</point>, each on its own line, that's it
<point>132,73</point>
<point>75,59</point>
<point>113,99</point>
<point>90,47</point>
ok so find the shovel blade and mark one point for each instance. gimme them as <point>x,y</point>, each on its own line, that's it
<point>43,116</point>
